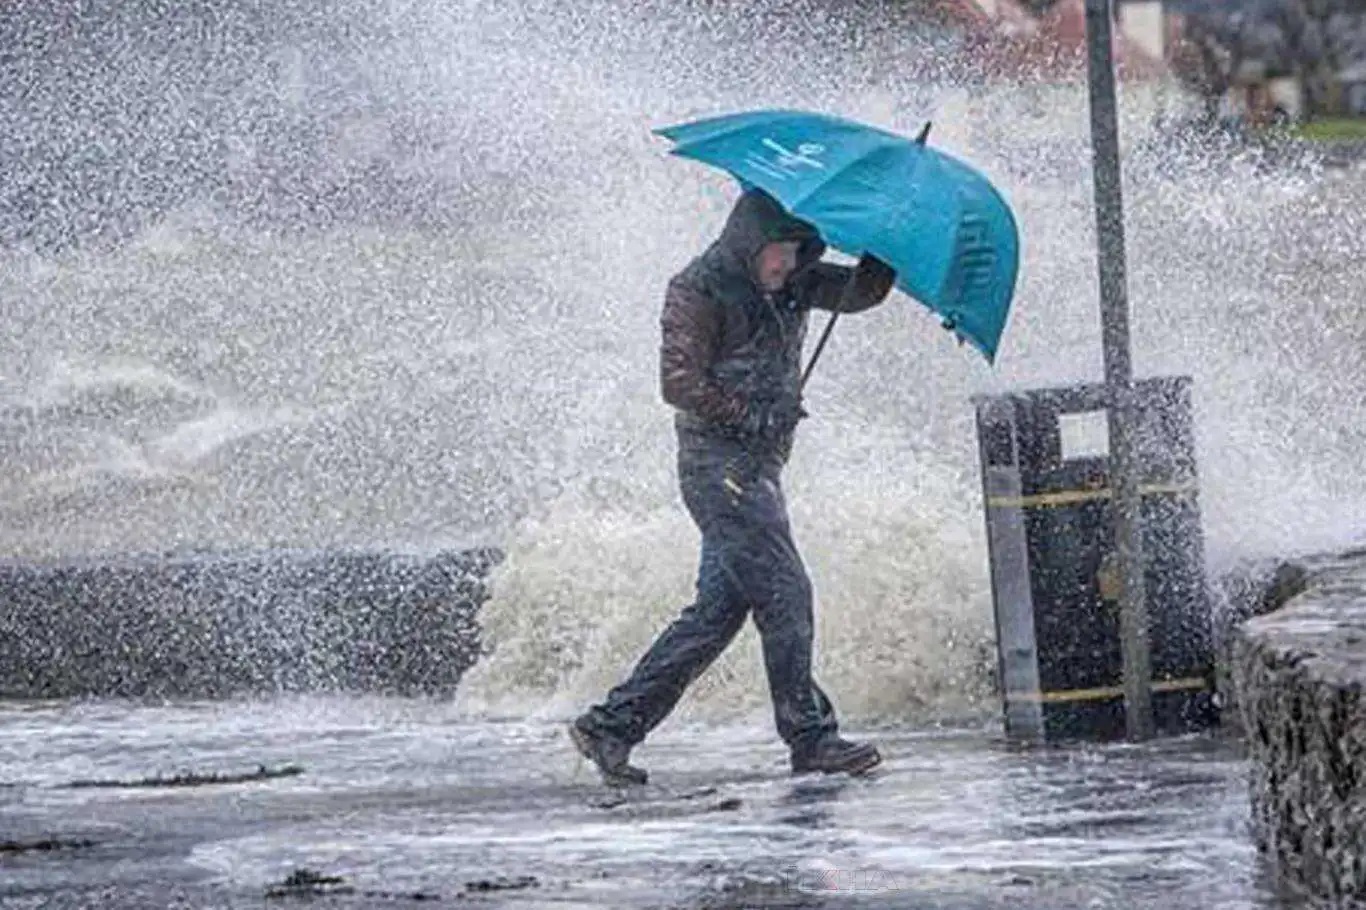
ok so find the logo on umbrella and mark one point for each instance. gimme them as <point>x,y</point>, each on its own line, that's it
<point>781,162</point>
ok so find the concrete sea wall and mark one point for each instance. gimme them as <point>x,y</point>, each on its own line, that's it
<point>219,624</point>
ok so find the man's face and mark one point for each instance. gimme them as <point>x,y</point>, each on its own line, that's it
<point>776,263</point>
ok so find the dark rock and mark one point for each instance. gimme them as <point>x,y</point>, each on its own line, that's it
<point>309,883</point>
<point>502,883</point>
<point>43,846</point>
<point>192,779</point>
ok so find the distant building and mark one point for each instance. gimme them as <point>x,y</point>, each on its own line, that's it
<point>1352,82</point>
<point>1045,40</point>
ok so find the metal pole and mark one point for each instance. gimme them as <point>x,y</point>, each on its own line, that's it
<point>1114,305</point>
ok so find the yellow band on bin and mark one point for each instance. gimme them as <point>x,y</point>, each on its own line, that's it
<point>1159,685</point>
<point>1072,497</point>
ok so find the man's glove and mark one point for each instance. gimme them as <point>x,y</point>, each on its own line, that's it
<point>874,271</point>
<point>772,420</point>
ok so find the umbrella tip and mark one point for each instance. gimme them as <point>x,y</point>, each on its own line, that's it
<point>924,133</point>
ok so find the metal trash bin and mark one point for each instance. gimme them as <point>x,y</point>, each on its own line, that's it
<point>1045,467</point>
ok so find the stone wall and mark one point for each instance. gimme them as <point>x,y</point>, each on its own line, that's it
<point>212,625</point>
<point>1298,675</point>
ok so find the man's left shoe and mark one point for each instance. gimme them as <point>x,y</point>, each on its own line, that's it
<point>608,753</point>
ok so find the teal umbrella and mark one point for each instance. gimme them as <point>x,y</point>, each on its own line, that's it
<point>945,229</point>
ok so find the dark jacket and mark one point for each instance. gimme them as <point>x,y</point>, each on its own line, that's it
<point>727,346</point>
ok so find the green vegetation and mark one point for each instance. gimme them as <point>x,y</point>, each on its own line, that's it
<point>1334,129</point>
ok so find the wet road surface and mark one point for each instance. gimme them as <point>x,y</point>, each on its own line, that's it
<point>397,802</point>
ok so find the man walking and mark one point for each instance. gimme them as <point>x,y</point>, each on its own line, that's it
<point>733,326</point>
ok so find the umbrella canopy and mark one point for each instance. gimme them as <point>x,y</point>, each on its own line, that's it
<point>940,224</point>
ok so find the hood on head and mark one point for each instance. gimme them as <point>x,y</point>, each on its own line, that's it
<point>759,219</point>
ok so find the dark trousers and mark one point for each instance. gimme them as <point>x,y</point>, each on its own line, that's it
<point>749,564</point>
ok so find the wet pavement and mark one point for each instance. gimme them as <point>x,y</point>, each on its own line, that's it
<point>393,802</point>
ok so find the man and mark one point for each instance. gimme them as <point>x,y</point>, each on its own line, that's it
<point>733,325</point>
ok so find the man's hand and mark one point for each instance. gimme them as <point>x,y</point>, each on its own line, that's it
<point>784,416</point>
<point>842,289</point>
<point>773,420</point>
<point>876,276</point>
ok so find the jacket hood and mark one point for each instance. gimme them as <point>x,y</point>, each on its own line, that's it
<point>756,220</point>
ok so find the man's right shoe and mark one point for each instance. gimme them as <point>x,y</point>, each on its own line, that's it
<point>835,755</point>
<point>608,753</point>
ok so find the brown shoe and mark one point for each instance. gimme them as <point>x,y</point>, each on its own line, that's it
<point>834,755</point>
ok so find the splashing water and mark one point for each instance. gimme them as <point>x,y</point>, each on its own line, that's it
<point>469,356</point>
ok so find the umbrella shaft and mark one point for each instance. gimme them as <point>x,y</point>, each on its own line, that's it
<point>820,346</point>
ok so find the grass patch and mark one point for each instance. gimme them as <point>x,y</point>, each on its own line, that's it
<point>1334,129</point>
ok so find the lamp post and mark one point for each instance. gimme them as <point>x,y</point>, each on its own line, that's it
<point>1114,314</point>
